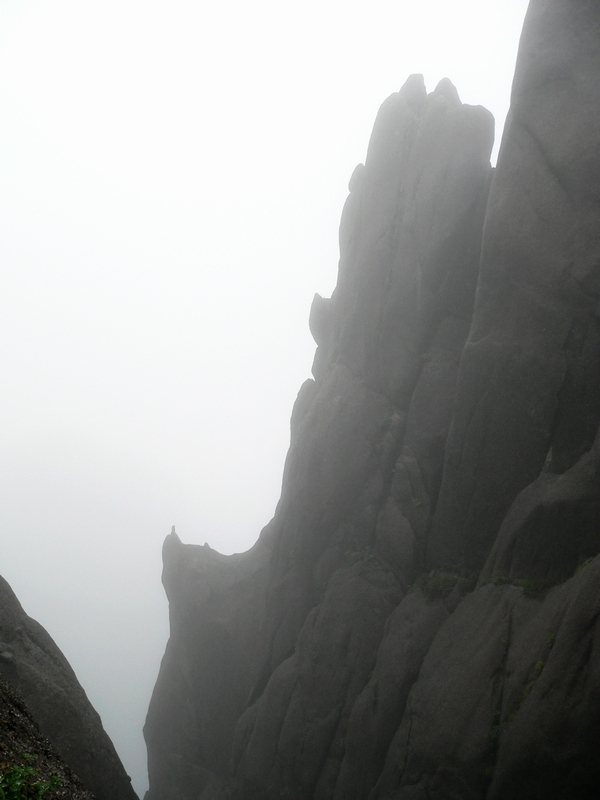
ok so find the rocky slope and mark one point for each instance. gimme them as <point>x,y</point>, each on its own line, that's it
<point>33,665</point>
<point>419,619</point>
<point>27,755</point>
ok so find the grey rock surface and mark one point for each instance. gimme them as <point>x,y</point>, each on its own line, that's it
<point>270,650</point>
<point>23,747</point>
<point>419,620</point>
<point>507,700</point>
<point>529,384</point>
<point>210,667</point>
<point>31,662</point>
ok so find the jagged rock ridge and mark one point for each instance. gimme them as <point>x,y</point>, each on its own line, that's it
<point>419,618</point>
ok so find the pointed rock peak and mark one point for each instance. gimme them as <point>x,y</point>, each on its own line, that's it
<point>172,540</point>
<point>447,89</point>
<point>356,177</point>
<point>320,321</point>
<point>414,91</point>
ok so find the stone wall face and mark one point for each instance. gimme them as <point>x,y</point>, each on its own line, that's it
<point>419,618</point>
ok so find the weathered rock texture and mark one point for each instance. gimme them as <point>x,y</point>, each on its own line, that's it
<point>23,746</point>
<point>421,617</point>
<point>34,666</point>
<point>529,384</point>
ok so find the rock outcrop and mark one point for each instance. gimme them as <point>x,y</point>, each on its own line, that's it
<point>27,756</point>
<point>420,618</point>
<point>33,665</point>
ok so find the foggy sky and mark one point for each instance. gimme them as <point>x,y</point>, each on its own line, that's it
<point>171,181</point>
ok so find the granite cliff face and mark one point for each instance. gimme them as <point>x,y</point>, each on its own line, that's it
<point>420,618</point>
<point>34,667</point>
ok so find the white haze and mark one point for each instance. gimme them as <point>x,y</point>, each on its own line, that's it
<point>171,180</point>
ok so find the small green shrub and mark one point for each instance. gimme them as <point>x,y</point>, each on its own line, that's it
<point>584,564</point>
<point>532,587</point>
<point>23,782</point>
<point>551,639</point>
<point>526,692</point>
<point>538,668</point>
<point>441,583</point>
<point>366,554</point>
<point>527,689</point>
<point>537,671</point>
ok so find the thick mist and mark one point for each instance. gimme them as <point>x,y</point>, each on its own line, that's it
<point>171,181</point>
